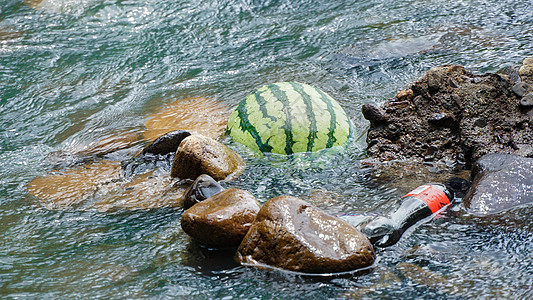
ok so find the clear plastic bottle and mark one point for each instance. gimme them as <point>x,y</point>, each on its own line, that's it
<point>416,205</point>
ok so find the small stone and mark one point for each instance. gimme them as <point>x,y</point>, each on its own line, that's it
<point>480,123</point>
<point>527,100</point>
<point>203,187</point>
<point>199,155</point>
<point>222,220</point>
<point>442,120</point>
<point>520,89</point>
<point>373,113</point>
<point>404,94</point>
<point>167,143</point>
<point>291,234</point>
<point>429,155</point>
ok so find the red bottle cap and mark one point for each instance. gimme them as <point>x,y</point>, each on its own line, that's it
<point>434,197</point>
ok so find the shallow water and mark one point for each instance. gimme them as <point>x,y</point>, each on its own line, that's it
<point>73,72</point>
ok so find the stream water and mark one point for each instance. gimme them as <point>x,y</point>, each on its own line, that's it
<point>77,71</point>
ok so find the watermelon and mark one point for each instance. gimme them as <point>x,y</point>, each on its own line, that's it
<point>289,117</point>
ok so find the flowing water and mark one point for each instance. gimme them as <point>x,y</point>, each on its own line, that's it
<point>73,72</point>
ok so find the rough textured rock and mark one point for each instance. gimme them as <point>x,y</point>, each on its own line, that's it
<point>526,70</point>
<point>501,182</point>
<point>202,188</point>
<point>199,155</point>
<point>166,143</point>
<point>451,114</point>
<point>222,220</point>
<point>291,234</point>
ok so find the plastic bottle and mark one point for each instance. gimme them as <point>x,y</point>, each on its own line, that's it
<point>416,205</point>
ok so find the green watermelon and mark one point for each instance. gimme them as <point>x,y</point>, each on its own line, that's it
<point>289,117</point>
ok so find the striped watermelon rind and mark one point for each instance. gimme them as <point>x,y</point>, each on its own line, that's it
<point>289,117</point>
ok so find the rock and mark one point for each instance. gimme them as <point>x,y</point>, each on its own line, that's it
<point>373,113</point>
<point>222,220</point>
<point>202,188</point>
<point>526,70</point>
<point>199,155</point>
<point>291,234</point>
<point>463,120</point>
<point>166,143</point>
<point>404,94</point>
<point>102,185</point>
<point>501,182</point>
<point>443,120</point>
<point>72,188</point>
<point>520,89</point>
<point>196,115</point>
<point>112,143</point>
<point>527,100</point>
<point>142,192</point>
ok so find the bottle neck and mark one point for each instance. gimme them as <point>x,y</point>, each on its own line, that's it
<point>410,211</point>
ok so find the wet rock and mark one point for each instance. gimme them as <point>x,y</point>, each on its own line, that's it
<point>199,155</point>
<point>202,188</point>
<point>520,89</point>
<point>501,182</point>
<point>167,143</point>
<point>291,234</point>
<point>443,120</point>
<point>222,220</point>
<point>374,114</point>
<point>463,115</point>
<point>527,100</point>
<point>71,188</point>
<point>197,115</point>
<point>142,192</point>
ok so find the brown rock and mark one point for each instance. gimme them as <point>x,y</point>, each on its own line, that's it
<point>198,155</point>
<point>71,188</point>
<point>221,221</point>
<point>198,115</point>
<point>458,115</point>
<point>291,234</point>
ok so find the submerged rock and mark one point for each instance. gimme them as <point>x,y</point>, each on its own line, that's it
<point>202,188</point>
<point>501,182</point>
<point>72,188</point>
<point>199,155</point>
<point>198,115</point>
<point>291,234</point>
<point>221,221</point>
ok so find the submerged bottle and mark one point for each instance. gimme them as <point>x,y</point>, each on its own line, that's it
<point>416,205</point>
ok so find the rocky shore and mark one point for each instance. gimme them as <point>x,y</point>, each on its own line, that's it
<point>454,118</point>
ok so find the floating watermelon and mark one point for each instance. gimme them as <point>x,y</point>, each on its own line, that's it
<point>289,117</point>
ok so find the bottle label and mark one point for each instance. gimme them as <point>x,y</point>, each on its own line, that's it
<point>434,197</point>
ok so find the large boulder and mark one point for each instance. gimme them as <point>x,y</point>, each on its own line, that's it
<point>291,234</point>
<point>199,155</point>
<point>222,220</point>
<point>452,115</point>
<point>501,182</point>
